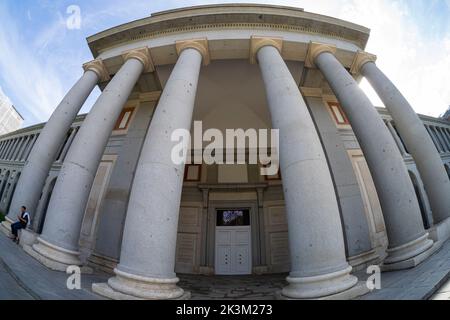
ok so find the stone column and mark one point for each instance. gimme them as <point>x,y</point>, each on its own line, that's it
<point>17,149</point>
<point>414,135</point>
<point>447,134</point>
<point>43,154</point>
<point>406,234</point>
<point>439,138</point>
<point>30,147</point>
<point>147,260</point>
<point>66,148</point>
<point>5,151</point>
<point>57,246</point>
<point>24,146</point>
<point>8,148</point>
<point>3,145</point>
<point>318,262</point>
<point>396,137</point>
<point>444,137</point>
<point>11,150</point>
<point>433,138</point>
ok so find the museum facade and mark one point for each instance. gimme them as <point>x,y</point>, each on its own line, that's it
<point>357,185</point>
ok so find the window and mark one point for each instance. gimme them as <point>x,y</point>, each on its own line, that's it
<point>338,113</point>
<point>193,173</point>
<point>233,218</point>
<point>124,119</point>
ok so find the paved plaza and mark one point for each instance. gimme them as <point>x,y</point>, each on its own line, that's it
<point>22,277</point>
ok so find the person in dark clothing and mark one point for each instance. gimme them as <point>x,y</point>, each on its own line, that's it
<point>24,220</point>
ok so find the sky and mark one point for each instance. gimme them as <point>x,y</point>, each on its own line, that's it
<point>41,53</point>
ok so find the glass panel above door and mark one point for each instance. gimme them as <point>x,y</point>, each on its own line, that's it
<point>233,218</point>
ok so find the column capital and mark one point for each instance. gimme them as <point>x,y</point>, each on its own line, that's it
<point>316,48</point>
<point>143,55</point>
<point>361,58</point>
<point>201,45</point>
<point>99,68</point>
<point>257,42</point>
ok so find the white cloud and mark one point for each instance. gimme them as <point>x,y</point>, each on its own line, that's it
<point>36,87</point>
<point>417,64</point>
<point>40,71</point>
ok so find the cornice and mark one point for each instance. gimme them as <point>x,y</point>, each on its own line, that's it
<point>234,17</point>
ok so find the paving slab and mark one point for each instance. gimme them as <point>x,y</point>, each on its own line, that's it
<point>10,288</point>
<point>419,283</point>
<point>37,281</point>
<point>22,277</point>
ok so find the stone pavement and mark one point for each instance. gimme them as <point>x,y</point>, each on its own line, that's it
<point>419,283</point>
<point>233,288</point>
<point>443,293</point>
<point>22,277</point>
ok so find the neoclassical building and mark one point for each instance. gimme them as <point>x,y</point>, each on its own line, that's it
<point>357,186</point>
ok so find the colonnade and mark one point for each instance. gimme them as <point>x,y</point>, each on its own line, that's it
<point>318,260</point>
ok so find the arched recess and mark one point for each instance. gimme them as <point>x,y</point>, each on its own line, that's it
<point>48,196</point>
<point>420,199</point>
<point>10,195</point>
<point>447,168</point>
<point>3,184</point>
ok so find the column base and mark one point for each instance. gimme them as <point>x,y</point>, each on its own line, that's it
<point>412,262</point>
<point>27,237</point>
<point>441,231</point>
<point>5,227</point>
<point>364,260</point>
<point>54,257</point>
<point>408,253</point>
<point>357,291</point>
<point>319,286</point>
<point>126,286</point>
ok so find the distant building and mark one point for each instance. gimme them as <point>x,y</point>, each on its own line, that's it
<point>10,118</point>
<point>446,115</point>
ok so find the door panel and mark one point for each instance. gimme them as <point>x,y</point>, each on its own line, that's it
<point>224,237</point>
<point>242,259</point>
<point>233,251</point>
<point>241,237</point>
<point>223,260</point>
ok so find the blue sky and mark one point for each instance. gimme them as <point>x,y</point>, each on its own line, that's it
<point>40,58</point>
